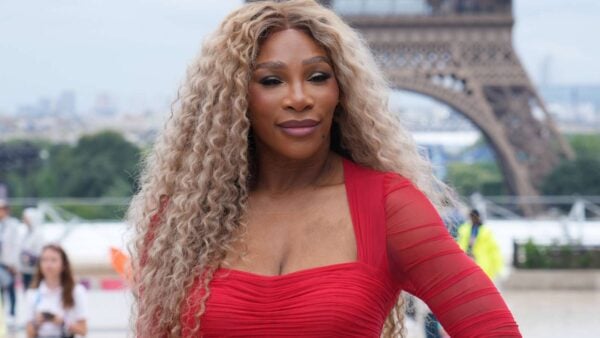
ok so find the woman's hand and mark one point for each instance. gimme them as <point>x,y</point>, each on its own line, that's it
<point>31,329</point>
<point>80,327</point>
<point>38,320</point>
<point>58,320</point>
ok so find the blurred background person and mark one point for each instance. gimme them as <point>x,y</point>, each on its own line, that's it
<point>31,245</point>
<point>9,251</point>
<point>56,306</point>
<point>478,241</point>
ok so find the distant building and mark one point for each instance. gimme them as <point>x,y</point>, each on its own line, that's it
<point>104,106</point>
<point>65,104</point>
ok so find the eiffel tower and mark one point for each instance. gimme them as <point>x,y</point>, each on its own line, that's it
<point>460,52</point>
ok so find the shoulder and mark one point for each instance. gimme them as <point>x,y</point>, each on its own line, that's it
<point>353,169</point>
<point>396,190</point>
<point>389,180</point>
<point>79,290</point>
<point>485,230</point>
<point>464,229</point>
<point>80,296</point>
<point>31,295</point>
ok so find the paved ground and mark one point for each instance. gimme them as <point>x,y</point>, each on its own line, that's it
<point>556,314</point>
<point>539,314</point>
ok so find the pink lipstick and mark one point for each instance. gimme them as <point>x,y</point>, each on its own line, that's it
<point>299,128</point>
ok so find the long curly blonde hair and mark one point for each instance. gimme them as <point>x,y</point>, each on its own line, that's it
<point>202,162</point>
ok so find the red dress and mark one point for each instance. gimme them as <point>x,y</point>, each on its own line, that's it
<point>402,244</point>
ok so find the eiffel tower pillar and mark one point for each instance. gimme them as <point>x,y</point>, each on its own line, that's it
<point>460,52</point>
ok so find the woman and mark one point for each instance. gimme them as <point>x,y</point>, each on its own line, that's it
<point>284,199</point>
<point>32,244</point>
<point>56,306</point>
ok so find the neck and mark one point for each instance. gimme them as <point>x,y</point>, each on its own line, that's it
<point>52,283</point>
<point>276,174</point>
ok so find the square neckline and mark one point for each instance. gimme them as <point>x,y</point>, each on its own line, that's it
<point>347,171</point>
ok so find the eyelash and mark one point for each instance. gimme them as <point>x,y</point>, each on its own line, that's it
<point>270,81</point>
<point>320,77</point>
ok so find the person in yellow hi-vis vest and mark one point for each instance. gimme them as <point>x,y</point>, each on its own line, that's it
<point>478,241</point>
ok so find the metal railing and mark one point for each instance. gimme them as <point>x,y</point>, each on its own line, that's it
<point>573,208</point>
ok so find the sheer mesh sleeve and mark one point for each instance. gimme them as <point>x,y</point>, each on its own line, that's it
<point>428,263</point>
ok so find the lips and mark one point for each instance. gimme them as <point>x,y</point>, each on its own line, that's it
<point>299,128</point>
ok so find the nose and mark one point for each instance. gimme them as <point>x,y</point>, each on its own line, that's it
<point>297,98</point>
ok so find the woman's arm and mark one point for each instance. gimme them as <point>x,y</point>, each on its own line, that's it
<point>80,312</point>
<point>31,331</point>
<point>33,318</point>
<point>32,325</point>
<point>428,263</point>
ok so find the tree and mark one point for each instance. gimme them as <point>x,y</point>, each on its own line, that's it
<point>104,164</point>
<point>478,177</point>
<point>586,145</point>
<point>19,159</point>
<point>580,176</point>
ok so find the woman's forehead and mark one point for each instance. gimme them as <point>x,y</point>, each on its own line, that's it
<point>289,43</point>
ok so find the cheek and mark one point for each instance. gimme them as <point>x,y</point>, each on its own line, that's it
<point>261,109</point>
<point>51,265</point>
<point>330,95</point>
<point>329,99</point>
<point>260,100</point>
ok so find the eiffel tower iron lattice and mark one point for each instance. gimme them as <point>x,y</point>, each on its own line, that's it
<point>460,52</point>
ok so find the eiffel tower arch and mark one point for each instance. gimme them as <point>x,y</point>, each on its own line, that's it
<point>460,52</point>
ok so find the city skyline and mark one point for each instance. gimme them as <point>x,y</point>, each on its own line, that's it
<point>136,52</point>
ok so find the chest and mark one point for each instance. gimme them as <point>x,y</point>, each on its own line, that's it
<point>296,233</point>
<point>49,302</point>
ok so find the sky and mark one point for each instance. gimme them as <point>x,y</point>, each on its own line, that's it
<point>136,51</point>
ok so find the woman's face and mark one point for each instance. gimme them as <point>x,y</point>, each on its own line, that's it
<point>51,263</point>
<point>292,96</point>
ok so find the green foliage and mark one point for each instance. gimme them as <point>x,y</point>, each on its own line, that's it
<point>558,256</point>
<point>478,177</point>
<point>534,256</point>
<point>580,176</point>
<point>99,165</point>
<point>106,165</point>
<point>585,145</point>
<point>96,211</point>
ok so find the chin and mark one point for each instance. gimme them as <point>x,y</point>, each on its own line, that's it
<point>300,152</point>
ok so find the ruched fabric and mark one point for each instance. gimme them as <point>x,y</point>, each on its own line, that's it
<point>402,244</point>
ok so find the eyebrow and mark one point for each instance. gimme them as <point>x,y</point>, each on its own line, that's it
<point>280,64</point>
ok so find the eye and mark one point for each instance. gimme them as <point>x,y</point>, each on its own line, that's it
<point>319,77</point>
<point>269,81</point>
